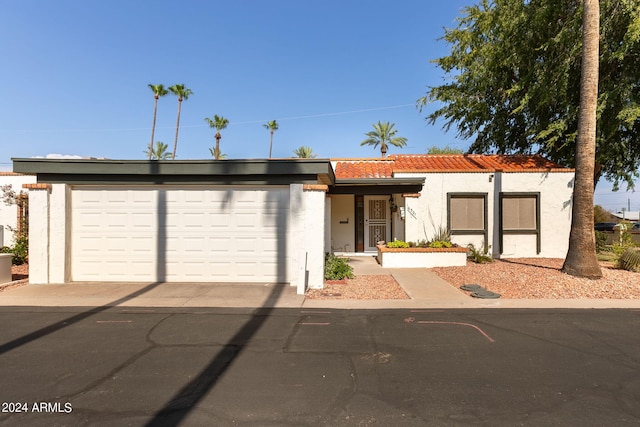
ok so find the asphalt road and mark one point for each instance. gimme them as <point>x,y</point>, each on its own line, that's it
<point>293,367</point>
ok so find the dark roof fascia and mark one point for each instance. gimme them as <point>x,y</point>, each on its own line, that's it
<point>373,186</point>
<point>164,171</point>
<point>374,189</point>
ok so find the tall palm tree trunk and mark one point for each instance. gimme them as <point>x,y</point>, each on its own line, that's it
<point>153,127</point>
<point>218,136</point>
<point>581,257</point>
<point>175,142</point>
<point>271,143</point>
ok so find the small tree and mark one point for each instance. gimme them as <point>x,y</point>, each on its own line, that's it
<point>217,154</point>
<point>304,153</point>
<point>384,135</point>
<point>600,214</point>
<point>159,152</point>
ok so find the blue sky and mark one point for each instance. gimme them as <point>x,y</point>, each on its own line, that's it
<point>75,76</point>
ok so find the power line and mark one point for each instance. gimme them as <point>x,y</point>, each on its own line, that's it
<point>311,116</point>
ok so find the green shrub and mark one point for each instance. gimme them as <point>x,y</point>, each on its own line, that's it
<point>422,244</point>
<point>336,268</point>
<point>479,256</point>
<point>630,260</point>
<point>601,241</point>
<point>618,249</point>
<point>440,244</point>
<point>20,250</point>
<point>397,244</point>
<point>442,234</point>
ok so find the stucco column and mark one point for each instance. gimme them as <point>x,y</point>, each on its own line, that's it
<point>327,224</point>
<point>314,202</point>
<point>412,223</point>
<point>38,232</point>
<point>58,233</point>
<point>295,254</point>
<point>306,236</point>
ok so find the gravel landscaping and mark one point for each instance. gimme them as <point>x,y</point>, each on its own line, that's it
<point>362,288</point>
<point>531,278</point>
<point>521,278</point>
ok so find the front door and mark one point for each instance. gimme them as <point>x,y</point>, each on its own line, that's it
<point>376,221</point>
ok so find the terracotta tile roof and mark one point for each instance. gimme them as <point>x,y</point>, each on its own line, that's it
<point>432,163</point>
<point>364,169</point>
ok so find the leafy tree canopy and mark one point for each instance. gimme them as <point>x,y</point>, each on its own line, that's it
<point>514,82</point>
<point>444,150</point>
<point>600,214</point>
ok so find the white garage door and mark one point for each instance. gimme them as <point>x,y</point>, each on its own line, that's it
<point>195,234</point>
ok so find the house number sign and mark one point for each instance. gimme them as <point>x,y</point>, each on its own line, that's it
<point>412,212</point>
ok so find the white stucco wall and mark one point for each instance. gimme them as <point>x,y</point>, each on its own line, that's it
<point>48,234</point>
<point>422,260</point>
<point>556,191</point>
<point>39,236</point>
<point>343,223</point>
<point>427,213</point>
<point>307,236</point>
<point>9,214</point>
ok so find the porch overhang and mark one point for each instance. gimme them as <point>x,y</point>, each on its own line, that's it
<point>375,186</point>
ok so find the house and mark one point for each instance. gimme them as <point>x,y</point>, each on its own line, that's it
<point>273,220</point>
<point>514,206</point>
<point>10,214</point>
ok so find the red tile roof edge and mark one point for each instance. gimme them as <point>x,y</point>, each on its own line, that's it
<point>531,170</point>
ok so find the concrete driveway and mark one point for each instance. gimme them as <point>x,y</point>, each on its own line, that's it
<point>425,289</point>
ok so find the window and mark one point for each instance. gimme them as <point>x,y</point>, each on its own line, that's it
<point>467,212</point>
<point>520,214</point>
<point>467,215</point>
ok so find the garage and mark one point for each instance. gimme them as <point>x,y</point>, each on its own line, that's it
<point>180,221</point>
<point>179,234</point>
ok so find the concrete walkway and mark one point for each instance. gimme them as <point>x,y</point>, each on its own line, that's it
<point>426,290</point>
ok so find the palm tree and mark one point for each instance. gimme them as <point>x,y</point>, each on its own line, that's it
<point>581,257</point>
<point>182,93</point>
<point>384,134</point>
<point>272,126</point>
<point>159,152</point>
<point>304,153</point>
<point>158,91</point>
<point>218,123</point>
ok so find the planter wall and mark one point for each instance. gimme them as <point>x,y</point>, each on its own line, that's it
<point>421,257</point>
<point>5,267</point>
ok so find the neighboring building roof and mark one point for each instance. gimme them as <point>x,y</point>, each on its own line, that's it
<point>628,215</point>
<point>4,173</point>
<point>442,163</point>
